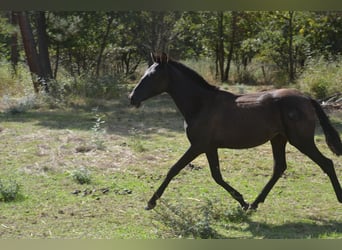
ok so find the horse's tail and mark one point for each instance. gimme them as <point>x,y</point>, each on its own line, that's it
<point>332,137</point>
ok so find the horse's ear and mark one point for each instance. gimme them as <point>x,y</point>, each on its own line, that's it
<point>164,58</point>
<point>153,57</point>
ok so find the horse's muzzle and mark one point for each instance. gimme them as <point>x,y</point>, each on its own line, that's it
<point>134,102</point>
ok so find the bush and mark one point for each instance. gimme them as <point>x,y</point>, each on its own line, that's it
<point>9,190</point>
<point>14,83</point>
<point>19,105</point>
<point>81,176</point>
<point>321,77</point>
<point>185,223</point>
<point>102,87</point>
<point>246,77</point>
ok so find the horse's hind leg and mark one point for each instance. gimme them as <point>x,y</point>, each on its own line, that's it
<point>278,149</point>
<point>309,148</point>
<point>213,160</point>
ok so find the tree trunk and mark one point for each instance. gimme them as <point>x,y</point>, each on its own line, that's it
<point>57,61</point>
<point>216,62</point>
<point>104,43</point>
<point>71,68</point>
<point>290,52</point>
<point>14,42</point>
<point>44,58</point>
<point>30,50</point>
<point>126,59</point>
<point>220,45</point>
<point>231,45</point>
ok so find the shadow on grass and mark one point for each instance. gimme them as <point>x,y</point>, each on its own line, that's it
<point>205,222</point>
<point>295,230</point>
<point>54,119</point>
<point>156,114</point>
<point>159,113</point>
<point>119,117</point>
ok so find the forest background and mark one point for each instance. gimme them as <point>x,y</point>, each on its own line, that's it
<point>91,54</point>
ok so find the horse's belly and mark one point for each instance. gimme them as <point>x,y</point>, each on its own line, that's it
<point>242,141</point>
<point>246,134</point>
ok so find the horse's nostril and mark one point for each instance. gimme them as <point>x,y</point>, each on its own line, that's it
<point>133,101</point>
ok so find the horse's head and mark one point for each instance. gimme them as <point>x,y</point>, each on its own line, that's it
<point>153,82</point>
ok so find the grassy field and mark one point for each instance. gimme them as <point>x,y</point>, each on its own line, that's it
<point>122,154</point>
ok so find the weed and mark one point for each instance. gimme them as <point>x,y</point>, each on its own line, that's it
<point>236,215</point>
<point>184,223</point>
<point>81,176</point>
<point>98,131</point>
<point>137,142</point>
<point>9,190</point>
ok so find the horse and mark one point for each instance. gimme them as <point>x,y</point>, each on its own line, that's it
<point>216,119</point>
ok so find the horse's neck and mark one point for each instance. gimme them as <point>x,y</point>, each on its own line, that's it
<point>189,97</point>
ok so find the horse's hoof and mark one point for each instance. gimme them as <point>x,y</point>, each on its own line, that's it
<point>150,206</point>
<point>253,207</point>
<point>245,206</point>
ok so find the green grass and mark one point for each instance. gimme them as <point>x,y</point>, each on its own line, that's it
<point>40,149</point>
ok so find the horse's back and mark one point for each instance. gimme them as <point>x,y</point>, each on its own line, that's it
<point>249,120</point>
<point>260,98</point>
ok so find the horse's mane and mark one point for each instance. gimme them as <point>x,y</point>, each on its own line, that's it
<point>198,79</point>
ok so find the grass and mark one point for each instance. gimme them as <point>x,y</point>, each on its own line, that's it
<point>40,148</point>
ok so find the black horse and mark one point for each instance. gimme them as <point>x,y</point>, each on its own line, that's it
<point>219,119</point>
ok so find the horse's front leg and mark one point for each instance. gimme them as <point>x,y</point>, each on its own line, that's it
<point>189,155</point>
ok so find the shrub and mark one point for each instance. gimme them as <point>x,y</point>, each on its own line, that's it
<point>19,105</point>
<point>81,176</point>
<point>9,190</point>
<point>14,83</point>
<point>321,77</point>
<point>185,223</point>
<point>245,76</point>
<point>98,131</point>
<point>102,87</point>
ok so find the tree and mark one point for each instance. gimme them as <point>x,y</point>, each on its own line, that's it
<point>220,54</point>
<point>232,43</point>
<point>110,18</point>
<point>289,37</point>
<point>43,55</point>
<point>102,43</point>
<point>14,42</point>
<point>280,42</point>
<point>9,38</point>
<point>323,32</point>
<point>233,28</point>
<point>31,52</point>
